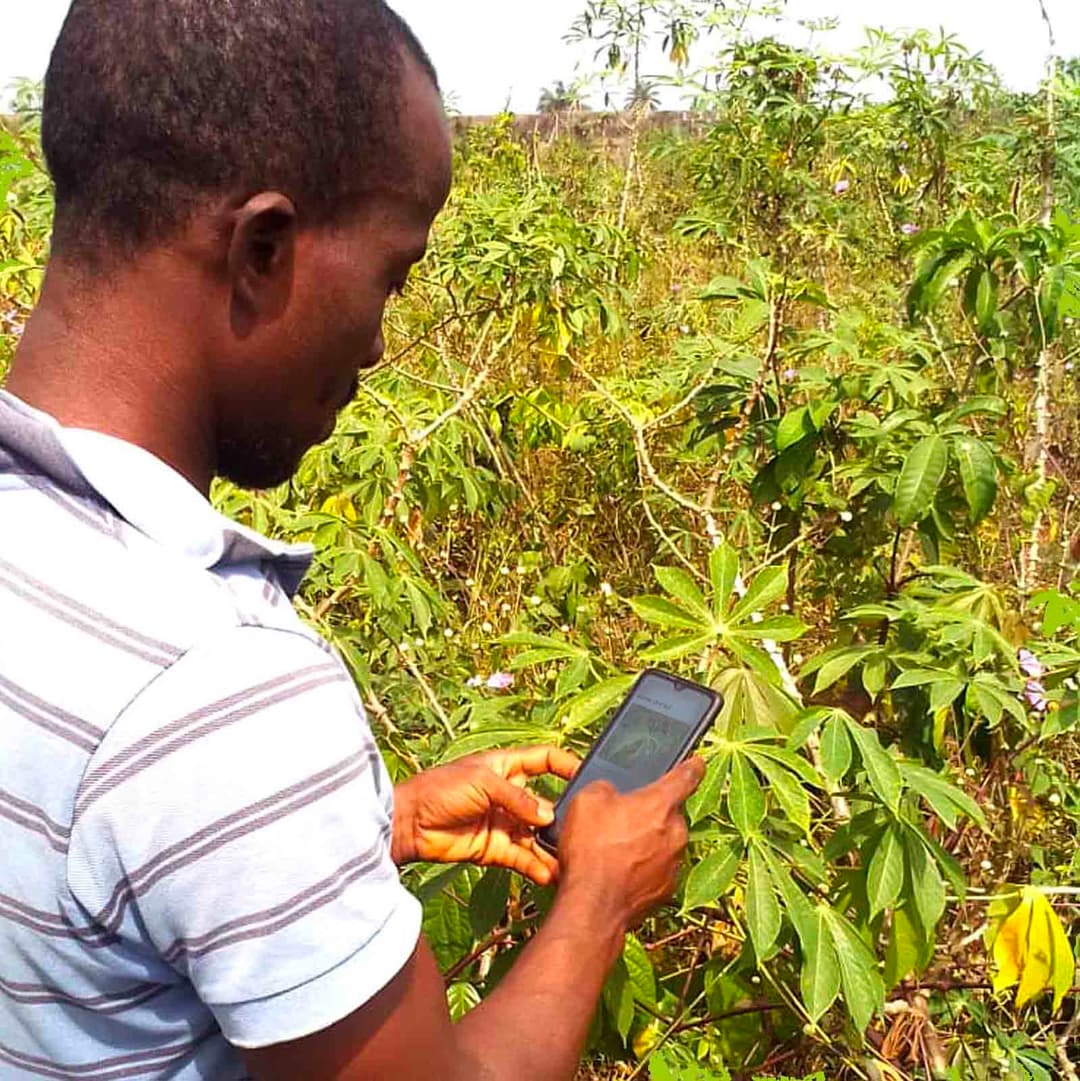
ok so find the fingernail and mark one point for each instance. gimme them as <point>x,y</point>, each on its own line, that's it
<point>546,813</point>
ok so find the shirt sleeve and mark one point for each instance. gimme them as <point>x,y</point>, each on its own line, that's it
<point>235,823</point>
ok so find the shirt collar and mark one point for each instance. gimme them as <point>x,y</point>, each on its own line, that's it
<point>148,494</point>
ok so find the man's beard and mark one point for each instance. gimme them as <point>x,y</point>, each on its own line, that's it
<point>262,459</point>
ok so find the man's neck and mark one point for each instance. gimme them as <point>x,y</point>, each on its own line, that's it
<point>117,361</point>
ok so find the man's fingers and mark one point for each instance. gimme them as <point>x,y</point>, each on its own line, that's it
<point>520,804</point>
<point>536,761</point>
<point>534,863</point>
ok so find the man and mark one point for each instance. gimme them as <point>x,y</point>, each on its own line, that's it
<point>199,836</point>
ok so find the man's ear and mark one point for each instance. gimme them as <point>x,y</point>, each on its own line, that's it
<point>261,256</point>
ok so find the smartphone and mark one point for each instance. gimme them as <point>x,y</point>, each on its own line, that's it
<point>658,725</point>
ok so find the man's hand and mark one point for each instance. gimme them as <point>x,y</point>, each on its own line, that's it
<point>624,851</point>
<point>477,810</point>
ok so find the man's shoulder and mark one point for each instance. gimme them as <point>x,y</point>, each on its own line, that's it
<point>91,600</point>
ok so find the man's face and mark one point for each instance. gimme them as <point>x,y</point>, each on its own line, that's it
<point>293,377</point>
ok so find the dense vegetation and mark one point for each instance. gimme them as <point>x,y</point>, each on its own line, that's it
<point>780,397</point>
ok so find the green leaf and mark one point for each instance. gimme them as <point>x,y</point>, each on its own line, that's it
<point>945,799</point>
<point>819,980</point>
<point>837,664</point>
<point>920,478</point>
<point>586,707</point>
<point>793,427</point>
<point>419,604</point>
<point>836,752</point>
<point>488,900</point>
<point>619,999</point>
<point>881,768</point>
<point>864,990</point>
<point>660,610</point>
<point>978,473</point>
<point>909,949</point>
<point>685,590</point>
<point>768,586</point>
<point>640,970</point>
<point>927,887</point>
<point>746,801</point>
<point>678,645</point>
<point>786,788</point>
<point>799,910</point>
<point>723,570</point>
<point>885,874</point>
<point>763,916</point>
<point>776,628</point>
<point>710,877</point>
<point>751,699</point>
<point>460,999</point>
<point>706,800</point>
<point>873,675</point>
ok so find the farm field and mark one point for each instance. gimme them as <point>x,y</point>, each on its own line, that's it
<point>779,393</point>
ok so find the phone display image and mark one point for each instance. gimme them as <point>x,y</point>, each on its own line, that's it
<point>644,735</point>
<point>658,725</point>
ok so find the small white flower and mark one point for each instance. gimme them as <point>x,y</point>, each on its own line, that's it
<point>684,329</point>
<point>755,979</point>
<point>565,628</point>
<point>448,633</point>
<point>785,607</point>
<point>470,582</point>
<point>605,588</point>
<point>405,647</point>
<point>986,865</point>
<point>534,600</point>
<point>847,516</point>
<point>520,568</point>
<point>798,658</point>
<point>418,642</point>
<point>474,681</point>
<point>504,570</point>
<point>1055,799</point>
<point>778,506</point>
<point>506,607</point>
<point>969,772</point>
<point>486,627</point>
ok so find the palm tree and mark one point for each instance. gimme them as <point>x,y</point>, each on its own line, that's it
<point>559,98</point>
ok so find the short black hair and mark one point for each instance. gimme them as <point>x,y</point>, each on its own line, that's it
<point>151,106</point>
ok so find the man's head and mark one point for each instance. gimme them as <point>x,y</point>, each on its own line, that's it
<point>284,158</point>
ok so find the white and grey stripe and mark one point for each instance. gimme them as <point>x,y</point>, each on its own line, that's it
<point>25,814</point>
<point>193,726</point>
<point>271,920</point>
<point>233,827</point>
<point>38,994</point>
<point>135,1064</point>
<point>30,707</point>
<point>96,624</point>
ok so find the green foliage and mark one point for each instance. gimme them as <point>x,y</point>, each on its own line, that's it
<point>751,400</point>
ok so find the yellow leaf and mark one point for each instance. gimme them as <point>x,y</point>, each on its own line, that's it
<point>1010,946</point>
<point>1031,949</point>
<point>341,506</point>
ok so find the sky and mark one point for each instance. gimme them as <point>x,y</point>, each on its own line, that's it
<point>491,53</point>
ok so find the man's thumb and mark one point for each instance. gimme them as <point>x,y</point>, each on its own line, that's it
<point>684,779</point>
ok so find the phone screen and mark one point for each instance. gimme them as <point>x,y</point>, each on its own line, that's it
<point>651,728</point>
<point>647,736</point>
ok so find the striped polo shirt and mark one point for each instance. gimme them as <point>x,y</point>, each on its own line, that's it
<point>194,818</point>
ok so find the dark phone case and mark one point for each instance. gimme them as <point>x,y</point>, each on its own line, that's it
<point>548,837</point>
